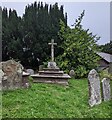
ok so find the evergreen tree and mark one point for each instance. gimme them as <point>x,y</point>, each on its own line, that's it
<point>0,34</point>
<point>5,34</point>
<point>26,39</point>
<point>106,48</point>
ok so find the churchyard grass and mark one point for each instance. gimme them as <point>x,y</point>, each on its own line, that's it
<point>53,101</point>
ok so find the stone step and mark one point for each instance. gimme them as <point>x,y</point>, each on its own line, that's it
<point>63,80</point>
<point>51,76</point>
<point>51,69</point>
<point>56,73</point>
<point>51,81</point>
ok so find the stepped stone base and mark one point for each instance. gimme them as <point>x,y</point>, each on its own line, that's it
<point>51,75</point>
<point>51,79</point>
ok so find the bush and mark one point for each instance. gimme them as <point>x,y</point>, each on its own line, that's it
<point>80,72</point>
<point>105,74</point>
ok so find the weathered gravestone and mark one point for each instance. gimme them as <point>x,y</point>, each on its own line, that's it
<point>94,88</point>
<point>72,73</point>
<point>30,71</point>
<point>41,67</point>
<point>106,89</point>
<point>12,78</point>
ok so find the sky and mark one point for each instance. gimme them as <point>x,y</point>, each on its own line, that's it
<point>96,19</point>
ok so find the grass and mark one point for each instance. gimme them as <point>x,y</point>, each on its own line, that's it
<point>53,101</point>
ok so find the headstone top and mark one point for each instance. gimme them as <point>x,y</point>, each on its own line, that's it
<point>72,73</point>
<point>93,75</point>
<point>93,72</point>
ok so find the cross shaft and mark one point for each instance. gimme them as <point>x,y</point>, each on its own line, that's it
<point>52,49</point>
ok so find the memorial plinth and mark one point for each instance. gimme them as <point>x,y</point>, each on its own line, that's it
<point>52,73</point>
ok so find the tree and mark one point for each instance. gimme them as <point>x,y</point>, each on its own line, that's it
<point>106,48</point>
<point>11,43</point>
<point>79,48</point>
<point>26,38</point>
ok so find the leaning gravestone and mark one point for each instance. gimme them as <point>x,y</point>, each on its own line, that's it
<point>106,89</point>
<point>94,88</point>
<point>12,78</point>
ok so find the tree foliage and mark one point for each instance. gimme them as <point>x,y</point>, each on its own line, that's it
<point>106,48</point>
<point>26,39</point>
<point>79,48</point>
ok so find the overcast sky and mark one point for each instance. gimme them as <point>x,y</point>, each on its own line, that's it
<point>97,15</point>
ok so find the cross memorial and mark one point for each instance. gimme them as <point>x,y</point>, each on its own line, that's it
<point>52,49</point>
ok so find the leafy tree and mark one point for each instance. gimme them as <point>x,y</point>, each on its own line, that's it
<point>79,48</point>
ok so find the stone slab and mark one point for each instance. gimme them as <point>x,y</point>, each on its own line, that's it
<point>57,73</point>
<point>63,80</point>
<point>51,69</point>
<point>52,76</point>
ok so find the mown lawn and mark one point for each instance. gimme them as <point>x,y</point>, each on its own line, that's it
<point>53,101</point>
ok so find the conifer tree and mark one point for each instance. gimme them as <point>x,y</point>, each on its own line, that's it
<point>26,38</point>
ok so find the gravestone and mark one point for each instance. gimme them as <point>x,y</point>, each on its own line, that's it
<point>12,75</point>
<point>94,88</point>
<point>106,89</point>
<point>30,71</point>
<point>72,73</point>
<point>41,67</point>
<point>52,65</point>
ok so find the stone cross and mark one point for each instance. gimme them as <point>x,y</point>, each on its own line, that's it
<point>52,49</point>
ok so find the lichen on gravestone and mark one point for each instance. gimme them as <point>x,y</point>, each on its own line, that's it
<point>106,90</point>
<point>94,88</point>
<point>12,77</point>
